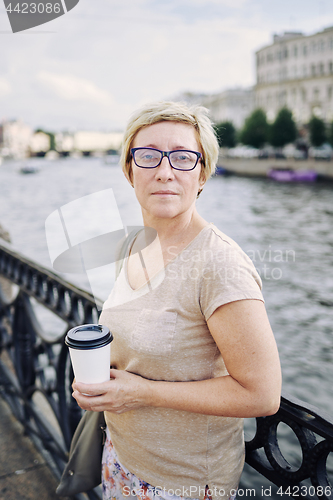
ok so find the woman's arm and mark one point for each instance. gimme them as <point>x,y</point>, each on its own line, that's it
<point>244,337</point>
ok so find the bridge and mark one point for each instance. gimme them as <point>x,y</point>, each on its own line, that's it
<point>36,377</point>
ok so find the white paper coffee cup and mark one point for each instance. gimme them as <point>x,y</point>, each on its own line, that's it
<point>89,349</point>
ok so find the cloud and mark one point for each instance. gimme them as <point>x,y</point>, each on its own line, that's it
<point>234,4</point>
<point>73,88</point>
<point>106,58</point>
<point>5,87</point>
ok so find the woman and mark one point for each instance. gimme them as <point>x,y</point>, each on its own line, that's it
<point>193,351</point>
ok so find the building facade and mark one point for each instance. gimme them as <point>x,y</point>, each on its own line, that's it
<point>86,141</point>
<point>232,105</point>
<point>296,71</point>
<point>39,144</point>
<point>15,139</point>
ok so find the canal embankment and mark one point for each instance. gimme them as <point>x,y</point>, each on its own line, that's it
<point>260,167</point>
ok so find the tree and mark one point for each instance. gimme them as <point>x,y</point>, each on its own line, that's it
<point>330,134</point>
<point>51,136</point>
<point>226,134</point>
<point>317,130</point>
<point>256,129</point>
<point>283,129</point>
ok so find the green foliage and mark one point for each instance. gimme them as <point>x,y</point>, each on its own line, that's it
<point>51,136</point>
<point>256,129</point>
<point>226,134</point>
<point>52,140</point>
<point>317,131</point>
<point>330,134</point>
<point>283,130</point>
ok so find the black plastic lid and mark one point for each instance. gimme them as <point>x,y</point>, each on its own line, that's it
<point>88,337</point>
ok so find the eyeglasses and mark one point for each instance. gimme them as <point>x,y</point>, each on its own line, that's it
<point>180,159</point>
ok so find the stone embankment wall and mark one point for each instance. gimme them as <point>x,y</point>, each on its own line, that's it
<point>256,167</point>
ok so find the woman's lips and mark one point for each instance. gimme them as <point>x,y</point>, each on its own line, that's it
<point>161,193</point>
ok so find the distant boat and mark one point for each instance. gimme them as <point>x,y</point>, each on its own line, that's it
<point>290,175</point>
<point>28,169</point>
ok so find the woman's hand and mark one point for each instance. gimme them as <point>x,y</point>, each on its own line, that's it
<point>123,392</point>
<point>252,387</point>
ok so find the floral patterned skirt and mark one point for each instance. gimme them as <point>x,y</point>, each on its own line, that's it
<point>120,484</point>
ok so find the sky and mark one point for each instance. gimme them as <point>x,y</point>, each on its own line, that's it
<point>92,67</point>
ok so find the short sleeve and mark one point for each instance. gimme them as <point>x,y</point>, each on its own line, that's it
<point>227,275</point>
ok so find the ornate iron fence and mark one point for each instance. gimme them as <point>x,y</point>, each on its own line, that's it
<point>36,377</point>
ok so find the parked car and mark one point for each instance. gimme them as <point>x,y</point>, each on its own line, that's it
<point>292,151</point>
<point>243,152</point>
<point>323,152</point>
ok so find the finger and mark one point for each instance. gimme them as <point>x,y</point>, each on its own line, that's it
<point>114,373</point>
<point>90,389</point>
<point>87,402</point>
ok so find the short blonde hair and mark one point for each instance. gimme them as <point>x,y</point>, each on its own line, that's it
<point>160,111</point>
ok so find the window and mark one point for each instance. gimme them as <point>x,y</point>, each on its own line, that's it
<point>305,50</point>
<point>321,68</point>
<point>303,92</point>
<point>293,95</point>
<point>295,51</point>
<point>316,94</point>
<point>313,70</point>
<point>329,93</point>
<point>330,67</point>
<point>284,97</point>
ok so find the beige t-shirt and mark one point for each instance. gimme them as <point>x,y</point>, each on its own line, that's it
<point>160,332</point>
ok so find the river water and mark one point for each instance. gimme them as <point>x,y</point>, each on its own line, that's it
<point>286,229</point>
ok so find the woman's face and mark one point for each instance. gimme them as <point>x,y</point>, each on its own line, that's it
<point>164,192</point>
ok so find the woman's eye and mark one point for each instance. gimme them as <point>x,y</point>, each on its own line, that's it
<point>182,157</point>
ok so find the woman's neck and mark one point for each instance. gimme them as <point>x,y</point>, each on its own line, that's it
<point>173,237</point>
<point>178,230</point>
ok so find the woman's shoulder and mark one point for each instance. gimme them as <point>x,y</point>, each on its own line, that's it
<point>216,249</point>
<point>213,238</point>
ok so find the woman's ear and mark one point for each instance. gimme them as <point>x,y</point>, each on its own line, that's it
<point>202,182</point>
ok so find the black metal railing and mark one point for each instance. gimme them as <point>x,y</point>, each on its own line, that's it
<point>36,377</point>
<point>35,370</point>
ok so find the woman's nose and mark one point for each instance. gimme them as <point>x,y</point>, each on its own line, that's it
<point>164,171</point>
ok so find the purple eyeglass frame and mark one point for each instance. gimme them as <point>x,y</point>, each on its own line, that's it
<point>167,154</point>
